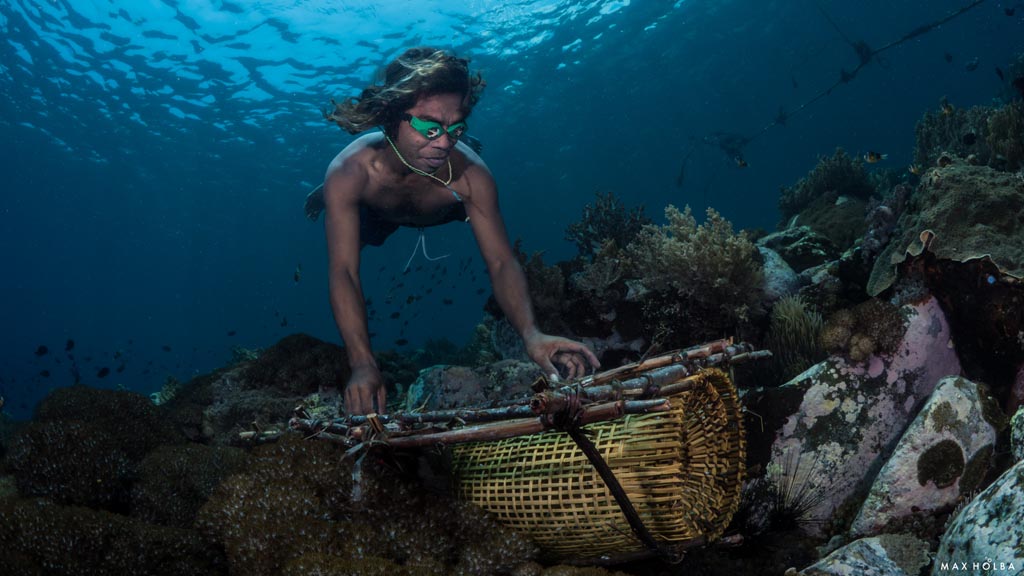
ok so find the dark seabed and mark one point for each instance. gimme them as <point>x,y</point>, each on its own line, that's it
<point>854,173</point>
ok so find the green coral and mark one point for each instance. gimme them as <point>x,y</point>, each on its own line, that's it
<point>700,281</point>
<point>606,219</point>
<point>839,174</point>
<point>794,338</point>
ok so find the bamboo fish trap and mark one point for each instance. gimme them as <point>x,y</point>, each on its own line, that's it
<point>668,430</point>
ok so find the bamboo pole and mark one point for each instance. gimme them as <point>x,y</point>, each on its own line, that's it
<point>336,431</point>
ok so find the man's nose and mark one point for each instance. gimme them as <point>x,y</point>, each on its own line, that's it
<point>449,140</point>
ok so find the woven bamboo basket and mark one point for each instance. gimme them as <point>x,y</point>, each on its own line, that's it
<point>682,469</point>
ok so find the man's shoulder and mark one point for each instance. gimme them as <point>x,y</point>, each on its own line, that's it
<point>355,157</point>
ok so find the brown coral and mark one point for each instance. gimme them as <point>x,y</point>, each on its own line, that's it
<point>606,219</point>
<point>1006,137</point>
<point>958,213</point>
<point>874,326</point>
<point>839,174</point>
<point>953,132</point>
<point>298,506</point>
<point>702,280</point>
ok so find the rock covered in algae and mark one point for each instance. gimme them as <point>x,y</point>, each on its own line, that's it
<point>945,453</point>
<point>989,529</point>
<point>1017,435</point>
<point>885,555</point>
<point>959,213</point>
<point>849,415</point>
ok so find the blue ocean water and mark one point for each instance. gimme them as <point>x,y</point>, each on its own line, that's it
<point>156,154</point>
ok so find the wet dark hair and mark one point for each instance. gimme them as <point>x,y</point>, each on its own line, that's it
<point>417,73</point>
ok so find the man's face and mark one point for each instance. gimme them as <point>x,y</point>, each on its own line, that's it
<point>423,153</point>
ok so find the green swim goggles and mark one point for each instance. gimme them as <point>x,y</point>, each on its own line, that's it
<point>433,130</point>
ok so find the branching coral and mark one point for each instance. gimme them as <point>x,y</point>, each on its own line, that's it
<point>606,219</point>
<point>954,131</point>
<point>598,278</point>
<point>839,173</point>
<point>703,281</point>
<point>1006,137</point>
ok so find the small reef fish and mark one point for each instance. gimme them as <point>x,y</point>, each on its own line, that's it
<point>42,350</point>
<point>69,345</point>
<point>103,372</point>
<point>298,273</point>
<point>999,72</point>
<point>945,106</point>
<point>915,169</point>
<point>740,162</point>
<point>871,157</point>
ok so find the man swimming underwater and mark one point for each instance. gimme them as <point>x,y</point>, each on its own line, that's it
<point>417,173</point>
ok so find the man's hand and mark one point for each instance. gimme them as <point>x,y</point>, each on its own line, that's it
<point>574,358</point>
<point>364,386</point>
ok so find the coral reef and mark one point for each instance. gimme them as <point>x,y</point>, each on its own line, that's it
<point>262,392</point>
<point>794,338</point>
<point>1006,137</point>
<point>606,219</point>
<point>297,365</point>
<point>801,247</point>
<point>71,462</point>
<point>84,445</point>
<point>952,131</point>
<point>167,392</point>
<point>701,281</point>
<point>882,217</point>
<point>839,174</point>
<point>128,418</point>
<point>981,135</point>
<point>836,217</point>
<point>958,213</point>
<point>547,292</point>
<point>874,326</point>
<point>299,499</point>
<point>175,481</point>
<point>40,537</point>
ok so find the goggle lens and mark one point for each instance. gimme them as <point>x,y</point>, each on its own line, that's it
<point>432,130</point>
